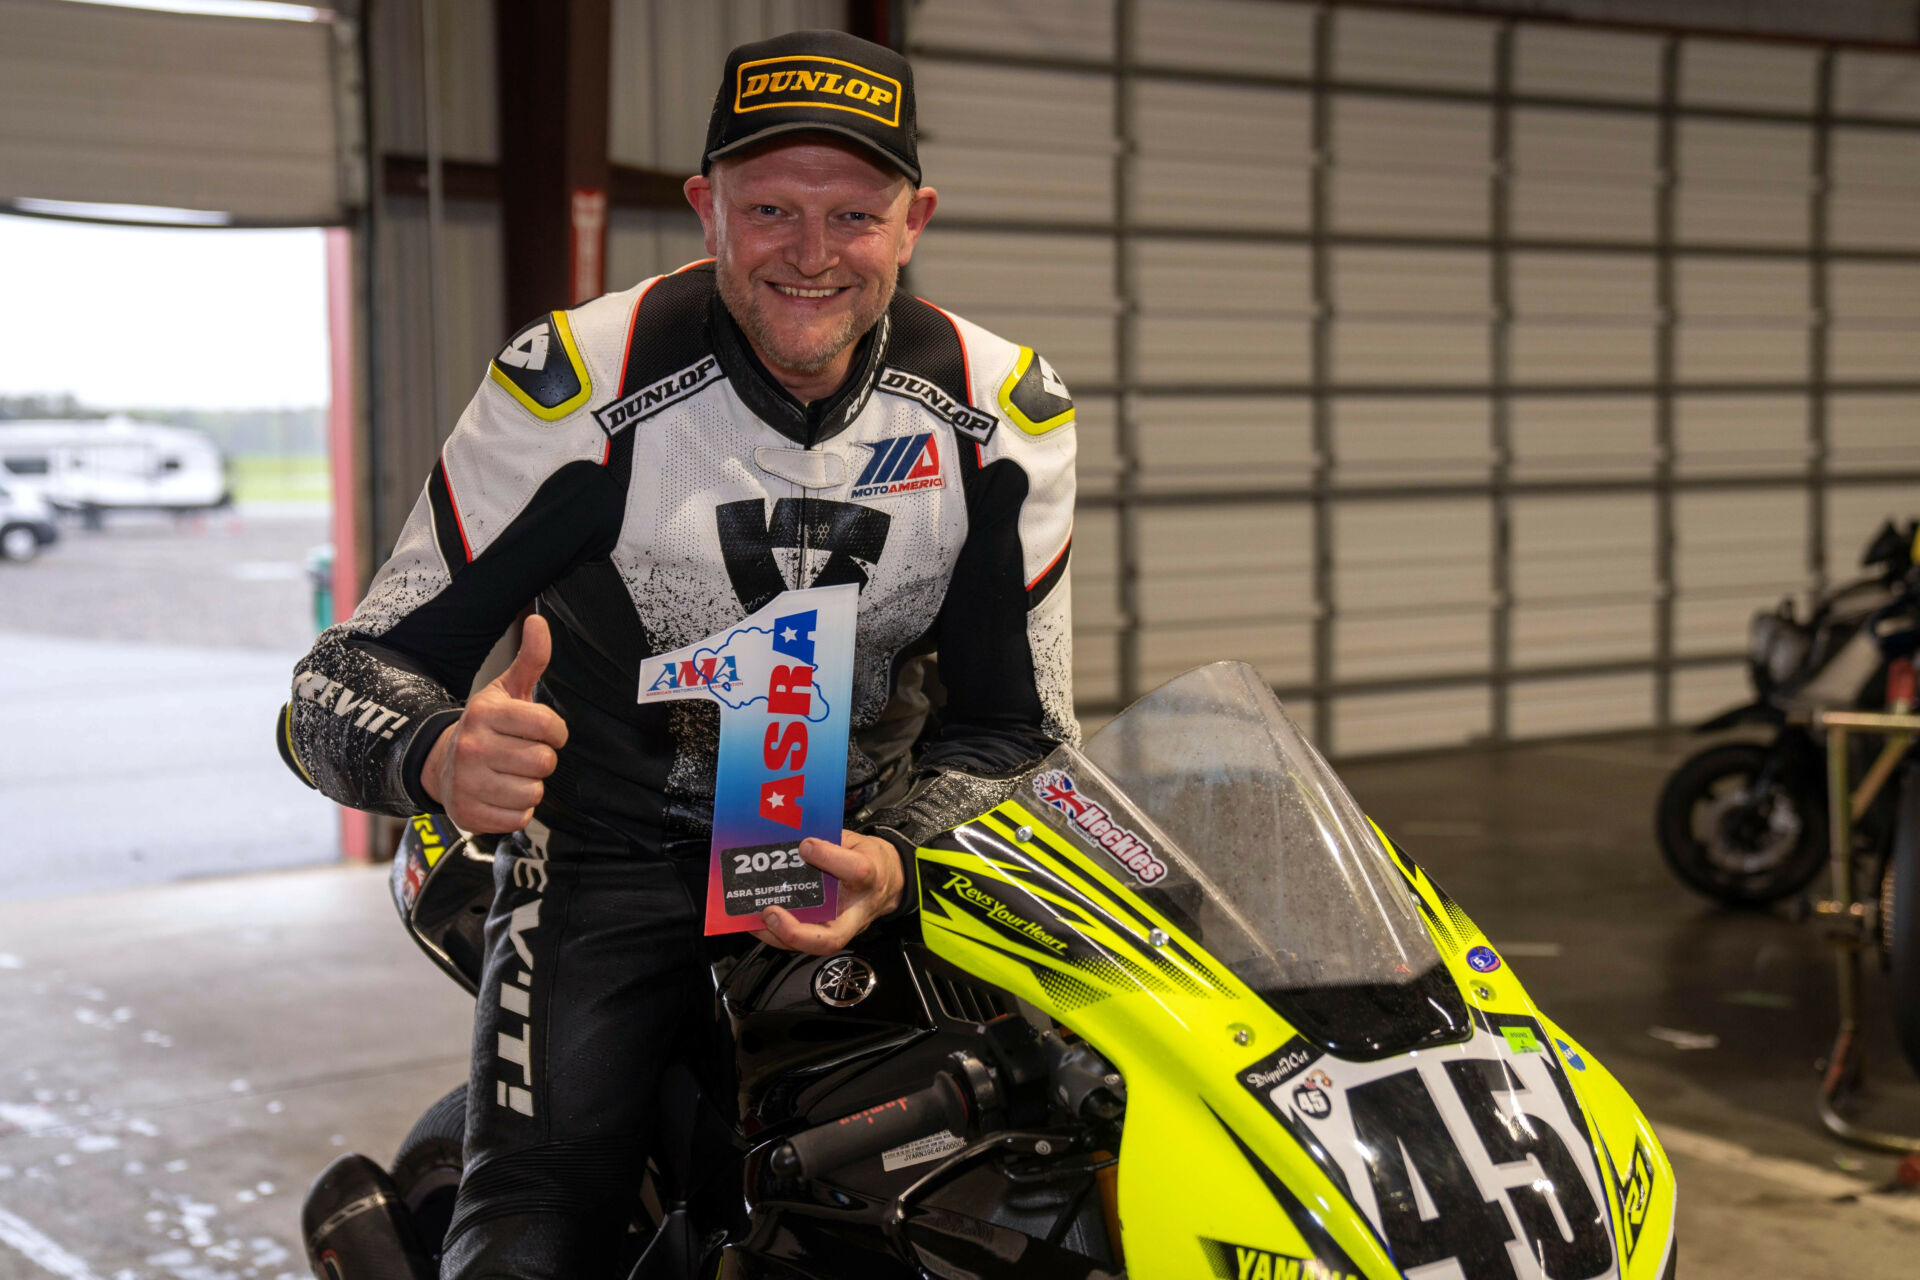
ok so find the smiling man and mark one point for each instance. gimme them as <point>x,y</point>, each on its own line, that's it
<point>647,470</point>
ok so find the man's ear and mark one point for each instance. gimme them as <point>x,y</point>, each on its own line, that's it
<point>699,191</point>
<point>919,213</point>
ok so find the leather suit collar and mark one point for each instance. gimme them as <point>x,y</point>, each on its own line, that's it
<point>804,424</point>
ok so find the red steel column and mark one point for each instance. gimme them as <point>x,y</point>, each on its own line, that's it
<point>554,73</point>
<point>343,466</point>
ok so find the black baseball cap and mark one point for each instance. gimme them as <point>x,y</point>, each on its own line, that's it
<point>816,82</point>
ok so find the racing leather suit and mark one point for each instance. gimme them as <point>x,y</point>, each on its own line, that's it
<point>633,469</point>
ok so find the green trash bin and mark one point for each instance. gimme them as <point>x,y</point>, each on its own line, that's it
<point>320,573</point>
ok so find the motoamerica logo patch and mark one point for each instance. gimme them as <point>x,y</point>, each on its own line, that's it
<point>900,464</point>
<point>804,80</point>
<point>1091,819</point>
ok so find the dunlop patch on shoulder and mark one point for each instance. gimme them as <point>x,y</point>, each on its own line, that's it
<point>541,368</point>
<point>964,418</point>
<point>1034,396</point>
<point>648,400</point>
<point>803,80</point>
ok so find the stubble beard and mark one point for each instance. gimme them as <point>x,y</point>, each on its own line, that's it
<point>801,353</point>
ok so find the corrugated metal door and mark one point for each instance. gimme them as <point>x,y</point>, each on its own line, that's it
<point>1472,377</point>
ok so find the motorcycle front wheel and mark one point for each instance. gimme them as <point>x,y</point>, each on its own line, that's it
<point>1740,847</point>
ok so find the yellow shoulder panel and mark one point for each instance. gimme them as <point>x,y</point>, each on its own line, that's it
<point>1033,397</point>
<point>546,388</point>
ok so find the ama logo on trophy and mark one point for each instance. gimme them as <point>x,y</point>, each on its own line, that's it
<point>783,679</point>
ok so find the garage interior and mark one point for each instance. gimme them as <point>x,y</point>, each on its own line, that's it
<point>1474,371</point>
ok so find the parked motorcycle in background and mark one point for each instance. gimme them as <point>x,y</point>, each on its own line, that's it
<point>1744,823</point>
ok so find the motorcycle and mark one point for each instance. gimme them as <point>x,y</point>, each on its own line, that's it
<point>1171,1007</point>
<point>1744,823</point>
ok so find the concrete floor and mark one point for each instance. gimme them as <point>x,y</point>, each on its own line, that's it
<point>180,1060</point>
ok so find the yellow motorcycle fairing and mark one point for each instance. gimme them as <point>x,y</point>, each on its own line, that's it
<point>1220,1175</point>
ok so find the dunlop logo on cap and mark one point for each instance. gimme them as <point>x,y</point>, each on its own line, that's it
<point>806,81</point>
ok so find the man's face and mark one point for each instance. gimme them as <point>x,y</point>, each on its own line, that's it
<point>808,239</point>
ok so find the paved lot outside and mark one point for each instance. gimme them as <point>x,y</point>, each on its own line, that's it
<point>140,670</point>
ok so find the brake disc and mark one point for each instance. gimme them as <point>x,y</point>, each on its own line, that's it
<point>1783,825</point>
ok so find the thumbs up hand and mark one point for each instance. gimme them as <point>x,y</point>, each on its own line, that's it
<point>487,769</point>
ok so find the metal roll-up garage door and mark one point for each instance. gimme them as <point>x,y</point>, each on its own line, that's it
<point>183,114</point>
<point>1474,377</point>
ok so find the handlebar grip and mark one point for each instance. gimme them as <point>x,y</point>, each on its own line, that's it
<point>839,1143</point>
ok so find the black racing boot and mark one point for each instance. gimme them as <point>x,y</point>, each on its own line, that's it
<point>356,1226</point>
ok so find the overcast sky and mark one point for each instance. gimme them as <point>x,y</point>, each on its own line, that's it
<point>127,317</point>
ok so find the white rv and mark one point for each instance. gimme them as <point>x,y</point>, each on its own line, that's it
<point>114,464</point>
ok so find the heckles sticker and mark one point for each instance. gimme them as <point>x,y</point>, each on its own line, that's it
<point>1091,820</point>
<point>850,535</point>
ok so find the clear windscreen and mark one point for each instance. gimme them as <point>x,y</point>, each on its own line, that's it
<point>1267,856</point>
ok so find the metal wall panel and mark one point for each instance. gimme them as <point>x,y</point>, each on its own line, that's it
<point>1054,293</point>
<point>1551,708</point>
<point>1097,618</point>
<point>1733,553</point>
<point>1075,27</point>
<point>1745,73</point>
<point>1583,579</point>
<point>1703,691</point>
<point>1868,431</point>
<point>1876,188</point>
<point>1876,84</point>
<point>1016,143</point>
<point>1744,182</point>
<point>1582,173</point>
<point>1236,571</point>
<point>1368,724</point>
<point>1239,155</point>
<point>1221,313</point>
<point>1410,316</point>
<point>112,105</point>
<point>1480,375</point>
<point>1740,435</point>
<point>1409,554</point>
<point>646,242</point>
<point>1408,440</point>
<point>471,299</point>
<point>1405,48</point>
<point>1856,516</point>
<point>1410,166</point>
<point>1564,286</point>
<point>1582,438</point>
<point>1223,442</point>
<point>1550,59</point>
<point>667,57</point>
<point>1257,36</point>
<point>1876,321</point>
<point>464,75</point>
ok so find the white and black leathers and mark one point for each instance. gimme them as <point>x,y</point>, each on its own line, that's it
<point>632,466</point>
